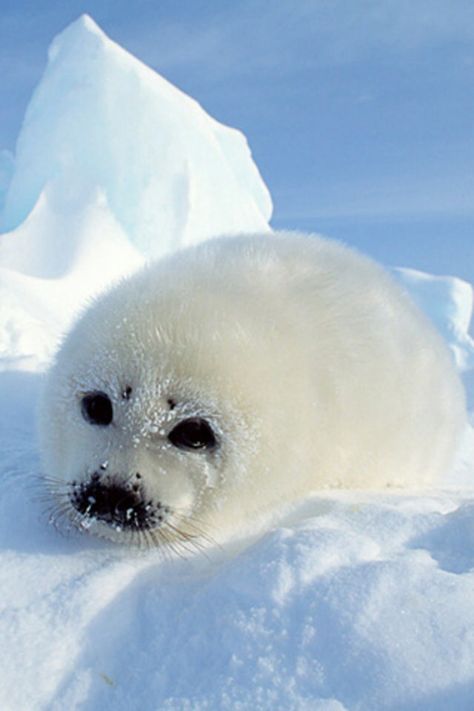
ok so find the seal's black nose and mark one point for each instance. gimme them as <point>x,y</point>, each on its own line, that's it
<point>111,503</point>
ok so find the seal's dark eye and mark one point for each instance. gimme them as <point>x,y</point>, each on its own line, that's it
<point>193,433</point>
<point>96,408</point>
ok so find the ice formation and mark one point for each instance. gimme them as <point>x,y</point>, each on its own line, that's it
<point>448,301</point>
<point>113,166</point>
<point>171,174</point>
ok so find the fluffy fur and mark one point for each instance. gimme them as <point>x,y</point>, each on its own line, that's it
<point>313,367</point>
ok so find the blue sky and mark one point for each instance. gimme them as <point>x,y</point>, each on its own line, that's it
<point>359,112</point>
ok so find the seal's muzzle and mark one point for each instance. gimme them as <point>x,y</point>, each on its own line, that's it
<point>115,504</point>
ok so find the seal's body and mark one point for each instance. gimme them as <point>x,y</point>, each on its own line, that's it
<point>238,375</point>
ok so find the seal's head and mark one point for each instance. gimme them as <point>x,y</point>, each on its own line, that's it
<point>138,423</point>
<point>231,377</point>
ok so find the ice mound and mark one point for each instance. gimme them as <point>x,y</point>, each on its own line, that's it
<point>58,258</point>
<point>448,302</point>
<point>113,166</point>
<point>6,171</point>
<point>171,174</point>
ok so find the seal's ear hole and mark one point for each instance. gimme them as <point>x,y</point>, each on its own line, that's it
<point>171,403</point>
<point>126,392</point>
<point>97,408</point>
<point>193,433</point>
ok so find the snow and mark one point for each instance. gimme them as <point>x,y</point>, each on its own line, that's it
<point>45,278</point>
<point>352,601</point>
<point>448,302</point>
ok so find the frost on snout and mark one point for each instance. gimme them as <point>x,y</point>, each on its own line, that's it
<point>118,504</point>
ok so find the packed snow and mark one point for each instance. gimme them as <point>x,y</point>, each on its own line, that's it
<point>356,601</point>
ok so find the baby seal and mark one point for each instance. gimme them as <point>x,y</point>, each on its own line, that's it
<point>239,375</point>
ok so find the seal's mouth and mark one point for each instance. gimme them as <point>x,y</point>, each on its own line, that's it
<point>118,505</point>
<point>120,510</point>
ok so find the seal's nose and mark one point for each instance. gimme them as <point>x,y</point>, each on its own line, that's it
<point>111,503</point>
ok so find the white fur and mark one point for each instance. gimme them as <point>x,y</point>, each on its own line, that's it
<point>313,366</point>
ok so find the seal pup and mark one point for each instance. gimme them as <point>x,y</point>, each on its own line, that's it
<point>236,376</point>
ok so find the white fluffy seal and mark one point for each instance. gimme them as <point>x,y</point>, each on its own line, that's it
<point>238,375</point>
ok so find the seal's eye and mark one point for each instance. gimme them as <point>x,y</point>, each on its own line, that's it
<point>193,433</point>
<point>96,408</point>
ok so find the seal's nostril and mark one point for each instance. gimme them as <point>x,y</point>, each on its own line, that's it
<point>113,504</point>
